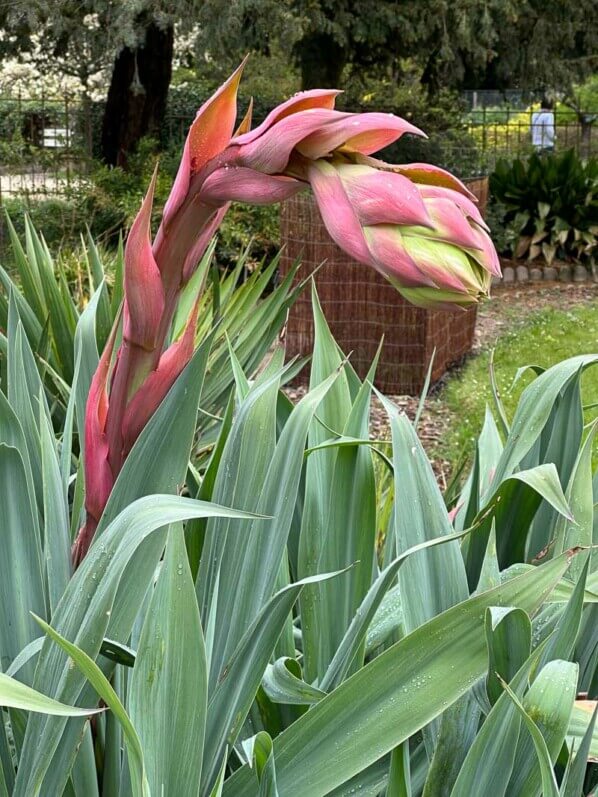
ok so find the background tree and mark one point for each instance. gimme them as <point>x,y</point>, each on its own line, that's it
<point>141,74</point>
<point>132,42</point>
<point>320,37</point>
<point>536,44</point>
<point>422,46</point>
<point>452,43</point>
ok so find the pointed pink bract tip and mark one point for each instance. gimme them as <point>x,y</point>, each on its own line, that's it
<point>302,101</point>
<point>209,134</point>
<point>144,294</point>
<point>361,132</point>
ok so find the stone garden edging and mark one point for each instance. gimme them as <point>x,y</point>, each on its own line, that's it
<point>514,271</point>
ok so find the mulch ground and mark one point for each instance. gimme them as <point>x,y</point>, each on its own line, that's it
<point>508,308</point>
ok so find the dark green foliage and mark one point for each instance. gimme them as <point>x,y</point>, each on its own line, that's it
<point>62,219</point>
<point>249,224</point>
<point>462,44</point>
<point>109,199</point>
<point>550,206</point>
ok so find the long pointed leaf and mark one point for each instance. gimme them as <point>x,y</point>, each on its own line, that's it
<point>102,686</point>
<point>394,696</point>
<point>169,686</point>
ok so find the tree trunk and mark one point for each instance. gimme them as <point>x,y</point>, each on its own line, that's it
<point>321,60</point>
<point>586,121</point>
<point>431,74</point>
<point>137,95</point>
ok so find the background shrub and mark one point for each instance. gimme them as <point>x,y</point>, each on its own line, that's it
<point>548,207</point>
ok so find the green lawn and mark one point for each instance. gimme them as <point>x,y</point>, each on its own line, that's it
<point>545,338</point>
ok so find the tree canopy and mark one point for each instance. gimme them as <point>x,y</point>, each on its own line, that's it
<point>454,43</point>
<point>437,44</point>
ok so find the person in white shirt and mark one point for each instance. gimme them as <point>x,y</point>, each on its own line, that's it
<point>542,127</point>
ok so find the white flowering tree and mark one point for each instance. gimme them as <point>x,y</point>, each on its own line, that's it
<point>121,51</point>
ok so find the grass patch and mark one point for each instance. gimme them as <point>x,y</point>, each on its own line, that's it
<point>545,338</point>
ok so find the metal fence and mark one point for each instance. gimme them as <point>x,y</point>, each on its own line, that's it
<point>48,143</point>
<point>491,98</point>
<point>507,132</point>
<point>486,138</point>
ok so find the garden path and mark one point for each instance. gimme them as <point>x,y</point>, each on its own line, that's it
<point>509,307</point>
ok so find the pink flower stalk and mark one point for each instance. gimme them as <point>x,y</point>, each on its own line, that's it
<point>415,223</point>
<point>125,394</point>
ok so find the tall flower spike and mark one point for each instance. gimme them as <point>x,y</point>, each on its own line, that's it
<point>100,478</point>
<point>415,223</point>
<point>383,197</point>
<point>200,244</point>
<point>270,152</point>
<point>421,173</point>
<point>430,247</point>
<point>469,208</point>
<point>298,103</point>
<point>240,184</point>
<point>364,133</point>
<point>209,134</point>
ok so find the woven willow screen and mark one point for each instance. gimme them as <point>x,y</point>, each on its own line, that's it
<point>361,306</point>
